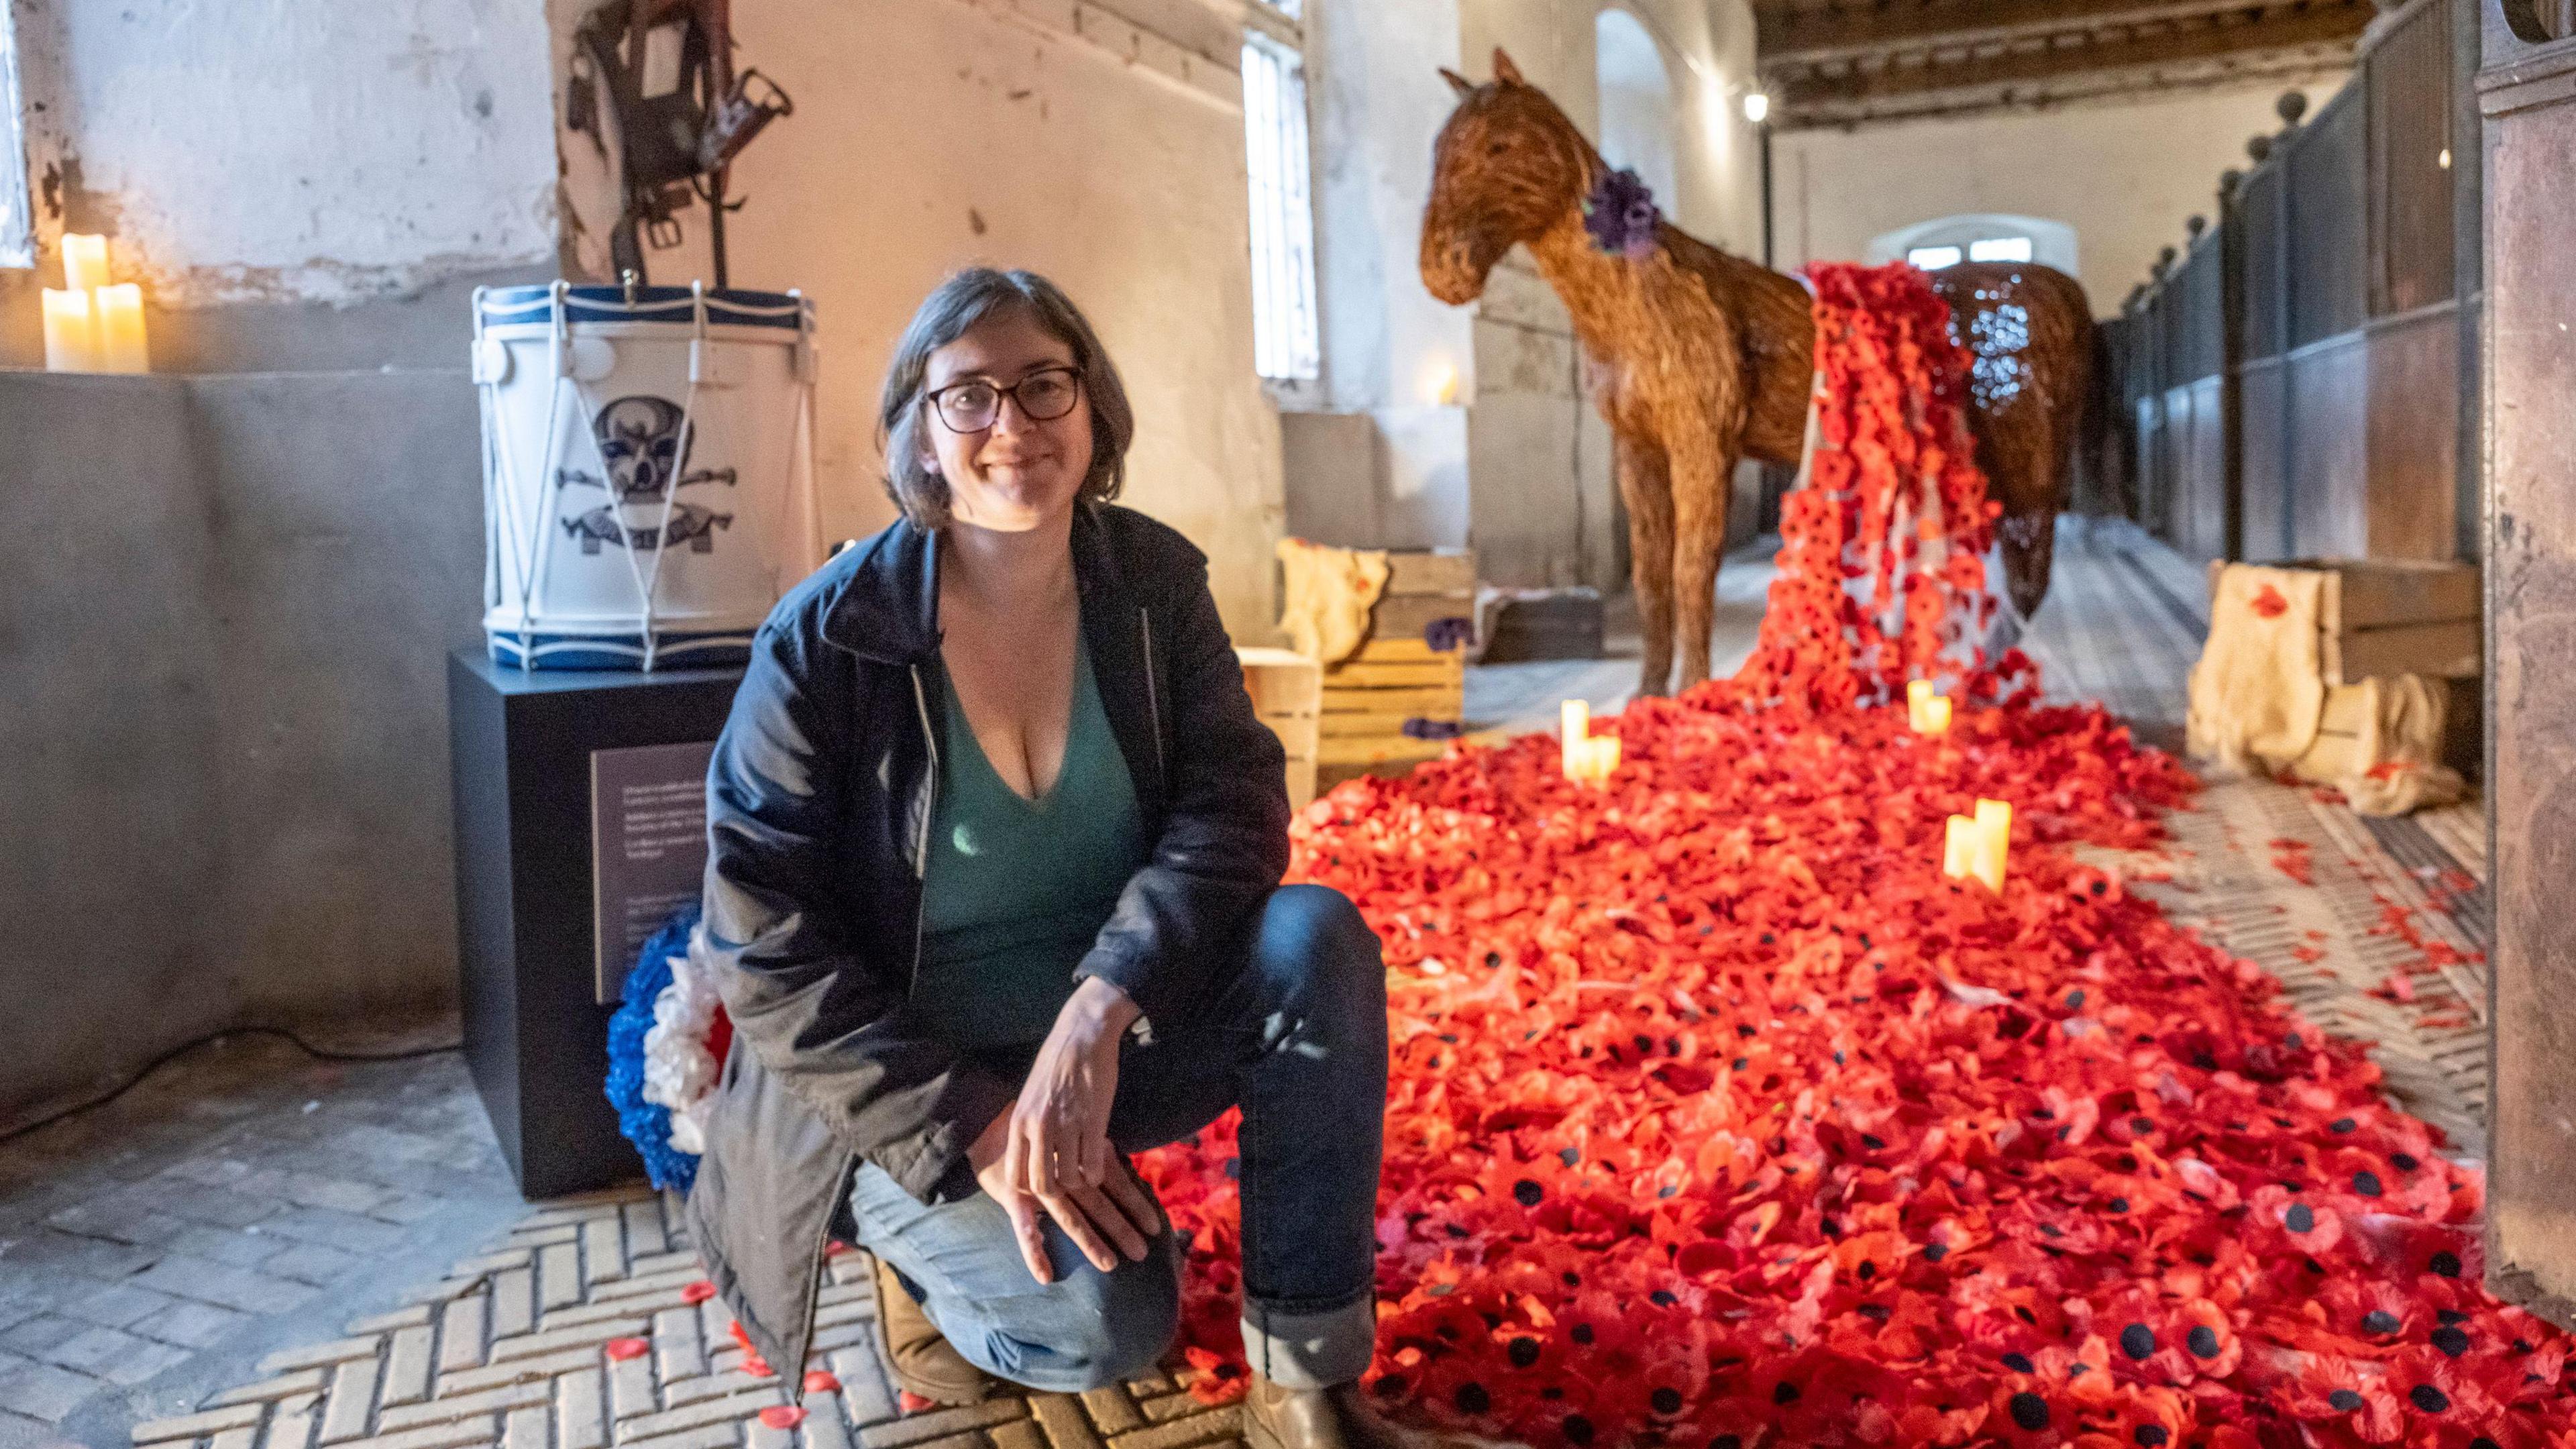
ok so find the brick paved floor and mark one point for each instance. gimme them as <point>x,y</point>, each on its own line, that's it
<point>242,1198</point>
<point>256,1251</point>
<point>512,1349</point>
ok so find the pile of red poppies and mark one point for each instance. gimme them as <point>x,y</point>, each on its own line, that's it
<point>1719,1117</point>
<point>1716,1110</point>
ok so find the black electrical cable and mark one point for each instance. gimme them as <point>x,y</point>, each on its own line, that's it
<point>185,1047</point>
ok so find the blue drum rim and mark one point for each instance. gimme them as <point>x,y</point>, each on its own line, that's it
<point>674,649</point>
<point>731,306</point>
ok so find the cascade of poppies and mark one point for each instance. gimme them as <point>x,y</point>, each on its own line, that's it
<point>1719,1117</point>
<point>1882,552</point>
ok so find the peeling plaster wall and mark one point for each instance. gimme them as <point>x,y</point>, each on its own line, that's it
<point>220,671</point>
<point>2123,174</point>
<point>290,151</point>
<point>1101,147</point>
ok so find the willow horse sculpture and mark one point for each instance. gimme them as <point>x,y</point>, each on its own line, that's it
<point>1697,358</point>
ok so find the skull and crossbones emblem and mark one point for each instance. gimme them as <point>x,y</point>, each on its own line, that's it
<point>641,443</point>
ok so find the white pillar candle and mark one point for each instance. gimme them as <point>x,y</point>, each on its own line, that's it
<point>1959,847</point>
<point>1575,732</point>
<point>1994,842</point>
<point>1605,757</point>
<point>84,261</point>
<point>120,329</point>
<point>71,332</point>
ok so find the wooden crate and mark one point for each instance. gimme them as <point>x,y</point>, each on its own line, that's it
<point>2380,618</point>
<point>1287,692</point>
<point>1395,676</point>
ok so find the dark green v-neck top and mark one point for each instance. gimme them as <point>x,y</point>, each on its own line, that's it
<point>1016,890</point>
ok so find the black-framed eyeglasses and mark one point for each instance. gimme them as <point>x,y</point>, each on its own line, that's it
<point>974,404</point>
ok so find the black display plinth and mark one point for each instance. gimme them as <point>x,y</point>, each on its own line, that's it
<point>536,1038</point>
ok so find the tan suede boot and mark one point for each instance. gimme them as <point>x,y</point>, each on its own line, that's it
<point>1335,1418</point>
<point>924,1362</point>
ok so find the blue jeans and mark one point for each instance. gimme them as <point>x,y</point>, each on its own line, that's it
<point>1295,1034</point>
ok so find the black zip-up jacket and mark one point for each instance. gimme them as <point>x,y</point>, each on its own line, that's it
<point>819,804</point>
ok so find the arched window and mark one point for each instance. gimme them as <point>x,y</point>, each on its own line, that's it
<point>1977,237</point>
<point>1286,327</point>
<point>1636,103</point>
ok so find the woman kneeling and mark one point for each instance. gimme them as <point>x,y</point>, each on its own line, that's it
<point>996,849</point>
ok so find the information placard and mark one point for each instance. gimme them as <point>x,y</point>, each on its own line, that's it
<point>648,847</point>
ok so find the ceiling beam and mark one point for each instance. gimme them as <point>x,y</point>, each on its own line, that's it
<point>2297,67</point>
<point>1790,39</point>
<point>1874,88</point>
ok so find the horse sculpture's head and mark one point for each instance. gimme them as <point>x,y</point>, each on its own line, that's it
<point>1505,169</point>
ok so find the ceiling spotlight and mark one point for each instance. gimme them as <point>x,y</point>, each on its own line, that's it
<point>1757,106</point>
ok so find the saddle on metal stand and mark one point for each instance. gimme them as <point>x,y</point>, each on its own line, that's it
<point>653,86</point>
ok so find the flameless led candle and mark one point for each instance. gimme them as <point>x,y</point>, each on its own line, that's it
<point>1575,733</point>
<point>84,261</point>
<point>1936,716</point>
<point>1603,758</point>
<point>1994,840</point>
<point>1978,845</point>
<point>1959,847</point>
<point>119,318</point>
<point>71,332</point>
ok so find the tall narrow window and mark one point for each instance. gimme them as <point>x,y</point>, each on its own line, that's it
<point>17,217</point>
<point>1285,334</point>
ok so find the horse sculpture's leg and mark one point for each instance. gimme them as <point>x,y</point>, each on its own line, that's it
<point>1646,484</point>
<point>2030,477</point>
<point>1699,540</point>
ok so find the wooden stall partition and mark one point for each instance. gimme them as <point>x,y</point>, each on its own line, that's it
<point>2412,412</point>
<point>2328,286</point>
<point>2202,446</point>
<point>2412,493</point>
<point>2527,97</point>
<point>2263,427</point>
<point>2263,324</point>
<point>2328,186</point>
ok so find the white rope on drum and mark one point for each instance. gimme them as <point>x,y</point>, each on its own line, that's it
<point>522,539</point>
<point>541,538</point>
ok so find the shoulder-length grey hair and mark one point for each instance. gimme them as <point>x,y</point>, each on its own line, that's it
<point>950,313</point>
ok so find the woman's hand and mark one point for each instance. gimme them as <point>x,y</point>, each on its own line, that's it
<point>1052,1150</point>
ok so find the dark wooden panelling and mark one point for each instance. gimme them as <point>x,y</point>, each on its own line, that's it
<point>2204,449</point>
<point>2528,95</point>
<point>2409,85</point>
<point>2329,196</point>
<point>2414,413</point>
<point>2329,463</point>
<point>2346,224</point>
<point>2267,278</point>
<point>2196,349</point>
<point>2267,475</point>
<point>2155,468</point>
